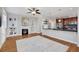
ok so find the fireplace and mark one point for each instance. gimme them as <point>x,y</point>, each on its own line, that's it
<point>24,31</point>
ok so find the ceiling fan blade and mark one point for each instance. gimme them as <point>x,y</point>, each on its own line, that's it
<point>29,9</point>
<point>28,12</point>
<point>38,12</point>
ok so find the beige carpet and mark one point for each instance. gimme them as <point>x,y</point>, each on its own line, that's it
<point>39,44</point>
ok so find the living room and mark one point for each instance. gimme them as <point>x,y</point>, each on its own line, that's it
<point>59,23</point>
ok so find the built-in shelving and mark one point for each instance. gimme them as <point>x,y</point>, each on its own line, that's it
<point>12,26</point>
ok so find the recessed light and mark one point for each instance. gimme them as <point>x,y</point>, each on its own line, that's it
<point>59,9</point>
<point>59,20</point>
<point>71,8</point>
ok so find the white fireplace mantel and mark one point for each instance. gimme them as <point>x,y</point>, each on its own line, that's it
<point>27,27</point>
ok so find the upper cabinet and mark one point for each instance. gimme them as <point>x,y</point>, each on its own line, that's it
<point>69,24</point>
<point>70,21</point>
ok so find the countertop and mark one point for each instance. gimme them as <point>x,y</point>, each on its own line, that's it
<point>60,30</point>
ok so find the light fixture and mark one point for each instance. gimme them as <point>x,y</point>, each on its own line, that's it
<point>59,9</point>
<point>33,12</point>
<point>71,8</point>
<point>59,20</point>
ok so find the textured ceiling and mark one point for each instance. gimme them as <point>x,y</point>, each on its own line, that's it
<point>46,12</point>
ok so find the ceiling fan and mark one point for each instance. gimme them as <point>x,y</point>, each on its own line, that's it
<point>34,11</point>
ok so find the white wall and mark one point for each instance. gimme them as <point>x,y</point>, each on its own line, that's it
<point>0,27</point>
<point>53,24</point>
<point>16,23</point>
<point>34,24</point>
<point>0,10</point>
<point>3,27</point>
<point>78,31</point>
<point>78,28</point>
